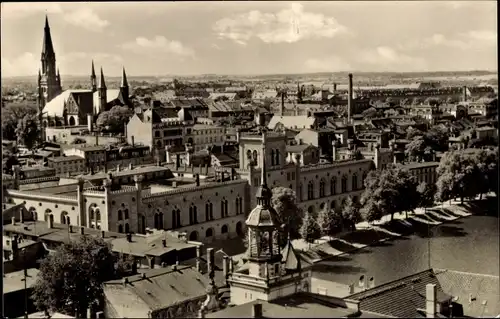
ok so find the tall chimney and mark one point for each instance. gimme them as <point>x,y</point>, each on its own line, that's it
<point>257,310</point>
<point>430,300</point>
<point>464,93</point>
<point>334,88</point>
<point>334,151</point>
<point>210,262</point>
<point>90,123</point>
<point>132,139</point>
<point>177,161</point>
<point>96,138</point>
<point>198,258</point>
<point>164,242</point>
<point>349,99</point>
<point>197,179</point>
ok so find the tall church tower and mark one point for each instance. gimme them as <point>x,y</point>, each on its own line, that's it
<point>270,272</point>
<point>49,83</point>
<point>124,89</point>
<point>102,93</point>
<point>93,79</point>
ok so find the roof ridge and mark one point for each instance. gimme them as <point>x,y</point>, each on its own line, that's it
<point>443,270</point>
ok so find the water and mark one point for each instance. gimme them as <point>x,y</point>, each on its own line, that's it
<point>469,244</point>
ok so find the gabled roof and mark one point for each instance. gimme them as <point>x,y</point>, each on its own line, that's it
<point>291,122</point>
<point>290,258</point>
<point>481,287</point>
<point>56,106</point>
<point>401,298</point>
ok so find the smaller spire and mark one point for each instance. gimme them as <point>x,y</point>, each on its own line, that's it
<point>58,74</point>
<point>47,22</point>
<point>124,79</point>
<point>102,84</point>
<point>93,69</point>
<point>39,74</point>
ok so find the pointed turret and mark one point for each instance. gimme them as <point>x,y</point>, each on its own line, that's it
<point>102,93</point>
<point>39,76</point>
<point>47,47</point>
<point>102,83</point>
<point>124,79</point>
<point>93,78</point>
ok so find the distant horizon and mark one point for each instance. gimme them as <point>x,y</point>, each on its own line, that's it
<point>484,72</point>
<point>251,38</point>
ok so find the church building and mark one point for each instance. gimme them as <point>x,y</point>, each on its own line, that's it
<point>73,107</point>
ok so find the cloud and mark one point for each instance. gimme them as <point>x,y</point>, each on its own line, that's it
<point>25,64</point>
<point>158,44</point>
<point>17,10</point>
<point>98,57</point>
<point>466,40</point>
<point>286,26</point>
<point>387,59</point>
<point>87,19</point>
<point>328,64</point>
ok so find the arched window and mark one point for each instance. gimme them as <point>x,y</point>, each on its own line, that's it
<point>120,216</point>
<point>272,158</point>
<point>209,232</point>
<point>97,215</point>
<point>209,213</point>
<point>333,204</point>
<point>64,218</point>
<point>354,181</point>
<point>157,221</point>
<point>223,208</point>
<point>193,215</point>
<point>255,157</point>
<point>174,219</point>
<point>142,224</point>
<point>160,220</point>
<point>224,229</point>
<point>239,205</point>
<point>127,228</point>
<point>333,186</point>
<point>277,160</point>
<point>92,214</point>
<point>126,213</point>
<point>310,190</point>
<point>344,184</point>
<point>322,188</point>
<point>120,229</point>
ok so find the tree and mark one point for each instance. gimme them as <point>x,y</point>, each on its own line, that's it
<point>381,188</point>
<point>426,194</point>
<point>437,138</point>
<point>11,115</point>
<point>284,202</point>
<point>329,222</point>
<point>70,280</point>
<point>412,132</point>
<point>351,214</point>
<point>9,163</point>
<point>310,230</point>
<point>115,119</point>
<point>28,131</point>
<point>415,150</point>
<point>371,211</point>
<point>406,186</point>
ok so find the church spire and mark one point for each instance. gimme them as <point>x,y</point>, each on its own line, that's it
<point>47,47</point>
<point>263,193</point>
<point>124,79</point>
<point>102,84</point>
<point>93,78</point>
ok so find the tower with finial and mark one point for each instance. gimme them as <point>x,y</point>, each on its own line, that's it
<point>124,90</point>
<point>272,273</point>
<point>49,83</point>
<point>102,94</point>
<point>93,79</point>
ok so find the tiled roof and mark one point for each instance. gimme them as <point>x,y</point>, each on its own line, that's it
<point>14,281</point>
<point>299,305</point>
<point>161,288</point>
<point>299,121</point>
<point>420,165</point>
<point>65,158</point>
<point>401,298</point>
<point>56,106</point>
<point>481,287</point>
<point>150,245</point>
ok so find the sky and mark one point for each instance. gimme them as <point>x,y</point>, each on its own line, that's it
<point>268,37</point>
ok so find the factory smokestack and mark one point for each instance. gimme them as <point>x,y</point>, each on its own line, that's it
<point>349,99</point>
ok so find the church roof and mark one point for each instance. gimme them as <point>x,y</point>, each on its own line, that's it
<point>56,106</point>
<point>262,216</point>
<point>111,95</point>
<point>290,258</point>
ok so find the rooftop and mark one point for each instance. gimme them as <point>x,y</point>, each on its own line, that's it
<point>14,281</point>
<point>420,165</point>
<point>66,158</point>
<point>160,288</point>
<point>299,305</point>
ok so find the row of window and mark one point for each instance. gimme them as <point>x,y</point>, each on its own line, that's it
<point>167,133</point>
<point>193,214</point>
<point>333,187</point>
